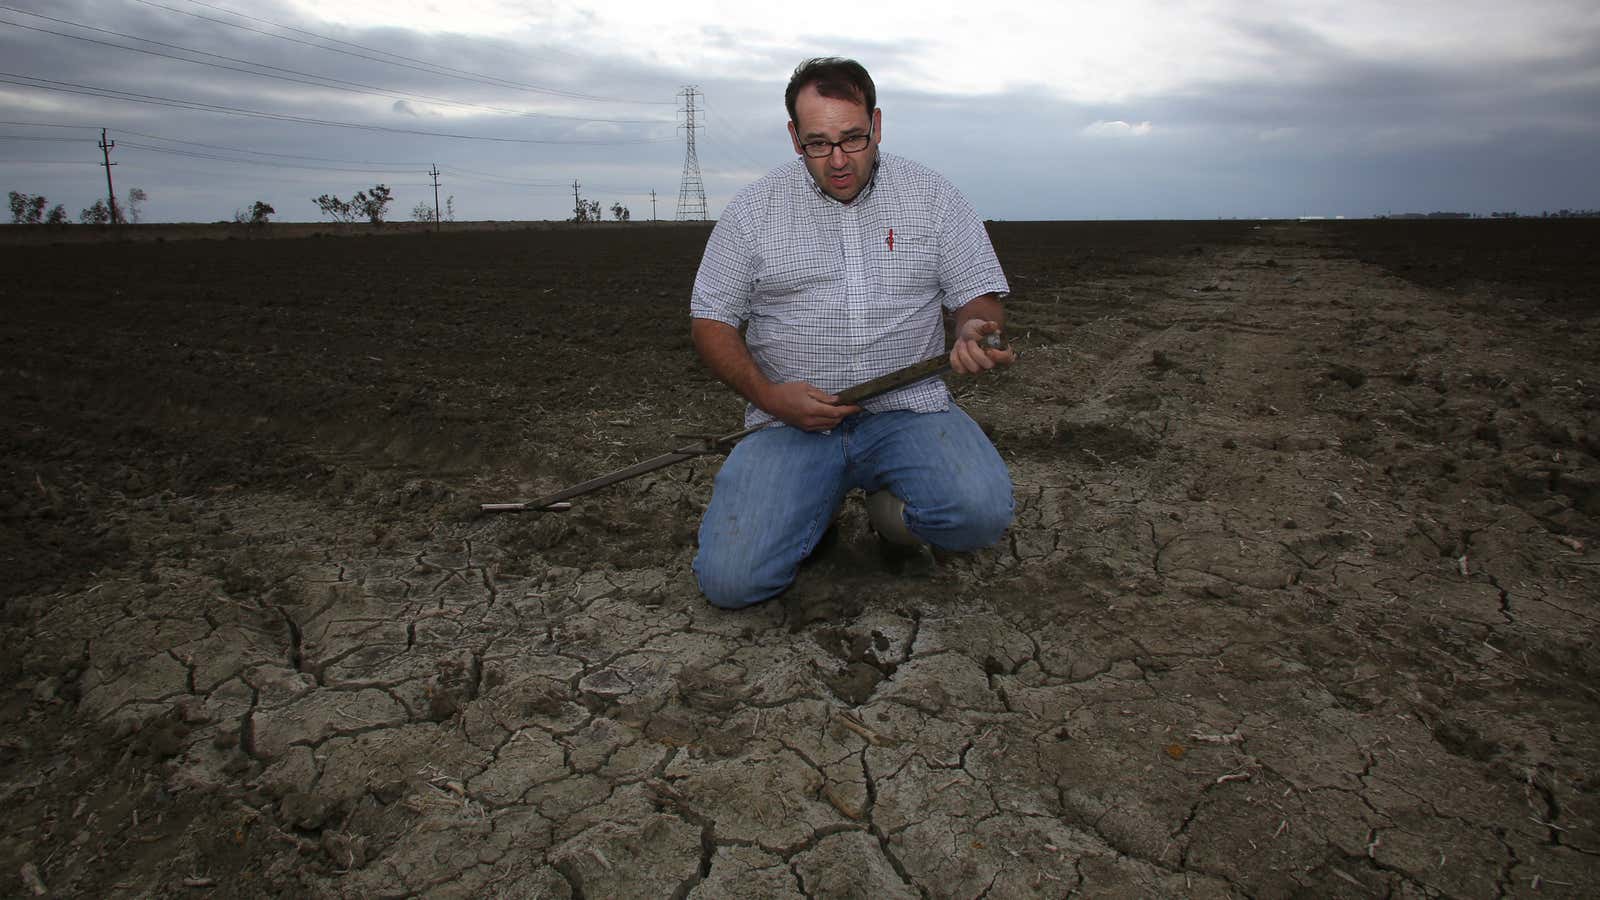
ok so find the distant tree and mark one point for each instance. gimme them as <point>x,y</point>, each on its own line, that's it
<point>620,212</point>
<point>450,208</point>
<point>422,212</point>
<point>372,204</point>
<point>98,214</point>
<point>257,215</point>
<point>336,209</point>
<point>585,211</point>
<point>27,209</point>
<point>56,216</point>
<point>136,198</point>
<point>339,210</point>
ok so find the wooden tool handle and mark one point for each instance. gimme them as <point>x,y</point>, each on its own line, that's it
<point>910,374</point>
<point>867,390</point>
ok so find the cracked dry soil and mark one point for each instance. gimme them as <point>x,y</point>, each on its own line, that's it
<point>1300,598</point>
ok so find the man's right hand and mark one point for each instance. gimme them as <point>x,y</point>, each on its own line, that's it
<point>802,406</point>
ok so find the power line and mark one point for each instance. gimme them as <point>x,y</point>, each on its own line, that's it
<point>346,165</point>
<point>367,167</point>
<point>190,154</point>
<point>52,125</point>
<point>620,191</point>
<point>505,182</point>
<point>311,179</point>
<point>714,118</point>
<point>19,137</point>
<point>421,65</point>
<point>68,87</point>
<point>473,175</point>
<point>322,81</point>
<point>441,68</point>
<point>367,163</point>
<point>465,171</point>
<point>353,162</point>
<point>168,55</point>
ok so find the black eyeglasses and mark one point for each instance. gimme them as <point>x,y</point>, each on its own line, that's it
<point>855,143</point>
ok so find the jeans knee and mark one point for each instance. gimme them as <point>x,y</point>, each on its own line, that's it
<point>982,527</point>
<point>988,522</point>
<point>969,521</point>
<point>727,584</point>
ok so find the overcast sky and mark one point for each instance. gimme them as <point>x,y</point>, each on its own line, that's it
<point>1082,111</point>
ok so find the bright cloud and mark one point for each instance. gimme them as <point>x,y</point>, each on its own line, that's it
<point>1117,128</point>
<point>1088,53</point>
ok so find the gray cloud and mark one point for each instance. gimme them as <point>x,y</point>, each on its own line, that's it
<point>1318,128</point>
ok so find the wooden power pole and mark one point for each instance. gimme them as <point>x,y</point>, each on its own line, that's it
<point>111,194</point>
<point>434,171</point>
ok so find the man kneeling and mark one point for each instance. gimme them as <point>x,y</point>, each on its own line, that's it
<point>838,266</point>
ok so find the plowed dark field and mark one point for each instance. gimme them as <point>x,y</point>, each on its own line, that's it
<point>1301,598</point>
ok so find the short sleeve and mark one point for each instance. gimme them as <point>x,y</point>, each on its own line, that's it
<point>726,281</point>
<point>968,267</point>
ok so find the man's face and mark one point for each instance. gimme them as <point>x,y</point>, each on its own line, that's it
<point>841,175</point>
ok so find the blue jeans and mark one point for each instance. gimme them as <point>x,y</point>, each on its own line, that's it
<point>779,489</point>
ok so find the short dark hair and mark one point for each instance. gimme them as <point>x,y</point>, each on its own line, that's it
<point>841,79</point>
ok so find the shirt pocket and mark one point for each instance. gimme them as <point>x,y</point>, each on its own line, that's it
<point>908,266</point>
<point>793,261</point>
<point>791,278</point>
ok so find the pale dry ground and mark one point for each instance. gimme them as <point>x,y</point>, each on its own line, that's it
<point>1293,604</point>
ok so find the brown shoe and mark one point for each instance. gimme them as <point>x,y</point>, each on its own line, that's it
<point>886,513</point>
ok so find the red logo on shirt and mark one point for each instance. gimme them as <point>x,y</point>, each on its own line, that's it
<point>890,240</point>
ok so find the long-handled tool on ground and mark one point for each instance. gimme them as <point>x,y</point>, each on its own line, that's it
<point>713,445</point>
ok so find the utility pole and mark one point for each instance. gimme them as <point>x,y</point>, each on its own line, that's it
<point>691,191</point>
<point>111,194</point>
<point>434,171</point>
<point>652,204</point>
<point>577,204</point>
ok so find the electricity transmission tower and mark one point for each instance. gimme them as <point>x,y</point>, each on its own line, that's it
<point>691,191</point>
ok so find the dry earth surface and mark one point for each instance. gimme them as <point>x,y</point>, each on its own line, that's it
<point>1300,599</point>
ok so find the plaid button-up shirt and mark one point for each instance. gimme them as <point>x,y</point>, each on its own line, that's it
<point>835,294</point>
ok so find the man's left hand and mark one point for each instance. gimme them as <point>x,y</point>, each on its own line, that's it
<point>969,357</point>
